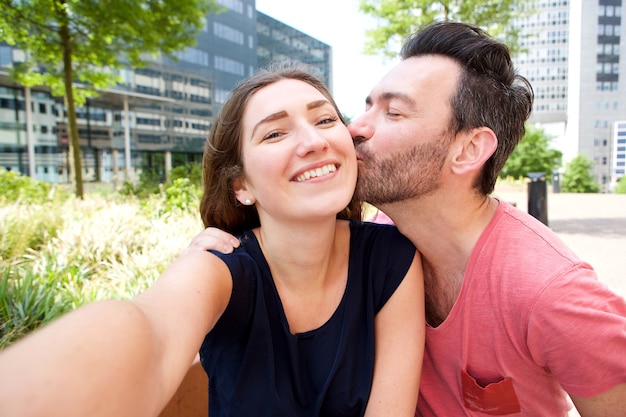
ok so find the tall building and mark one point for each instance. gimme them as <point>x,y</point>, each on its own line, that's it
<point>158,116</point>
<point>280,42</point>
<point>573,62</point>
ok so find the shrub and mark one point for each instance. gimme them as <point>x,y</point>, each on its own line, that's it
<point>99,248</point>
<point>577,177</point>
<point>176,198</point>
<point>621,186</point>
<point>26,302</point>
<point>27,226</point>
<point>15,187</point>
<point>193,172</point>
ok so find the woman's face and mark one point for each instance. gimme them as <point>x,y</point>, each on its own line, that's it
<point>298,157</point>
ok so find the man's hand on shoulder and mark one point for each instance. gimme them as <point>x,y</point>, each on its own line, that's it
<point>212,238</point>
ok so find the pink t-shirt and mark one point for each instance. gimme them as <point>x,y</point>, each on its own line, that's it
<point>531,320</point>
<point>380,218</point>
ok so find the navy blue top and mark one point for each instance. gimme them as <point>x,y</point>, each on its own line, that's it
<point>256,367</point>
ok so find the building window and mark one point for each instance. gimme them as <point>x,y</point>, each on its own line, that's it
<point>226,32</point>
<point>229,65</point>
<point>234,5</point>
<point>221,95</point>
<point>6,58</point>
<point>148,121</point>
<point>195,56</point>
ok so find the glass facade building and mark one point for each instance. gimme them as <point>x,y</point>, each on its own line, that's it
<point>573,61</point>
<point>279,42</point>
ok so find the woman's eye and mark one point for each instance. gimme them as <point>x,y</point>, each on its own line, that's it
<point>272,135</point>
<point>328,120</point>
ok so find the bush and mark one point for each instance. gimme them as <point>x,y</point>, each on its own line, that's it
<point>27,226</point>
<point>621,186</point>
<point>15,187</point>
<point>193,172</point>
<point>96,249</point>
<point>151,184</point>
<point>577,177</point>
<point>27,302</point>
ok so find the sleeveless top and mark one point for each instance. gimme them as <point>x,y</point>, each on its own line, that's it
<point>257,367</point>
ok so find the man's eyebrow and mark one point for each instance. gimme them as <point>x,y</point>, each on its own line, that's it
<point>392,95</point>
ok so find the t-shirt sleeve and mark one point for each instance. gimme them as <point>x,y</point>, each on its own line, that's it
<point>577,331</point>
<point>387,256</point>
<point>241,302</point>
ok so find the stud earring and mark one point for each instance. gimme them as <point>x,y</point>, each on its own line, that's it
<point>247,201</point>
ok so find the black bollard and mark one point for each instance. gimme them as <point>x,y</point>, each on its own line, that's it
<point>538,197</point>
<point>556,182</point>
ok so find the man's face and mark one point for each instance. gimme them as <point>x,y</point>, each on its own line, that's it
<point>402,139</point>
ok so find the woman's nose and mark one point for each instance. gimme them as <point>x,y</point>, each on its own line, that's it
<point>312,140</point>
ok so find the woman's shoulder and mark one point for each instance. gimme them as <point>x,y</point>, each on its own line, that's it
<point>384,234</point>
<point>369,227</point>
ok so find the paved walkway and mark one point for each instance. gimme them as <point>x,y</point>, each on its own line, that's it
<point>593,225</point>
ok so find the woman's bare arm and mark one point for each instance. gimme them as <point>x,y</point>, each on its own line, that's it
<point>117,358</point>
<point>400,332</point>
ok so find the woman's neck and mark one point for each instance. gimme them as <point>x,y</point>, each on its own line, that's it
<point>302,250</point>
<point>309,266</point>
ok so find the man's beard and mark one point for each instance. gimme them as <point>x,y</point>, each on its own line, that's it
<point>399,176</point>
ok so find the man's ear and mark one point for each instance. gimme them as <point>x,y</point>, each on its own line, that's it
<point>474,149</point>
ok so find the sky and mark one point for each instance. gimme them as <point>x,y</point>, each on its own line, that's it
<point>339,24</point>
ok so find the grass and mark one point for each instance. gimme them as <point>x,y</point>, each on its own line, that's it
<point>57,255</point>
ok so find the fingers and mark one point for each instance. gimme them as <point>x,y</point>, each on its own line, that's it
<point>212,238</point>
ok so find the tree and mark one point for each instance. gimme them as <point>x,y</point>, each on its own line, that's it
<point>621,186</point>
<point>399,18</point>
<point>577,177</point>
<point>74,46</point>
<point>532,154</point>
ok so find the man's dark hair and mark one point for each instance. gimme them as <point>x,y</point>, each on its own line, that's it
<point>490,93</point>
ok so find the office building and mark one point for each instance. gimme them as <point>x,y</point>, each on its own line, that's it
<point>280,42</point>
<point>573,62</point>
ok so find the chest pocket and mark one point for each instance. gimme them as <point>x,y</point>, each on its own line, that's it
<point>495,399</point>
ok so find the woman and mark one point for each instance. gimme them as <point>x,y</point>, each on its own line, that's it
<point>292,318</point>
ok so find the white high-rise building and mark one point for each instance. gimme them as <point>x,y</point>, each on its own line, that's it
<point>572,60</point>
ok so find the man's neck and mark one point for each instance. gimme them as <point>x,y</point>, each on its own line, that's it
<point>445,233</point>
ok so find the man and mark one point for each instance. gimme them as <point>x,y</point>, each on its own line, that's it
<point>515,319</point>
<point>514,316</point>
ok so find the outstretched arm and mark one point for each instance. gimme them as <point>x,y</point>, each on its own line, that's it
<point>400,332</point>
<point>117,358</point>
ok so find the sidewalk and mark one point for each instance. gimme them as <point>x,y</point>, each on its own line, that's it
<point>593,225</point>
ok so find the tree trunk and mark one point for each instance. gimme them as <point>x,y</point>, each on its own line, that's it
<point>69,97</point>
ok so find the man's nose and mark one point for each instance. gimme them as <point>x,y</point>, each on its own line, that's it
<point>360,129</point>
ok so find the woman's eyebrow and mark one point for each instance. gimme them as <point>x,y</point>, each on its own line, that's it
<point>274,116</point>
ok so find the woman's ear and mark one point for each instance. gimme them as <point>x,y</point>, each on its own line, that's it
<point>476,148</point>
<point>241,192</point>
